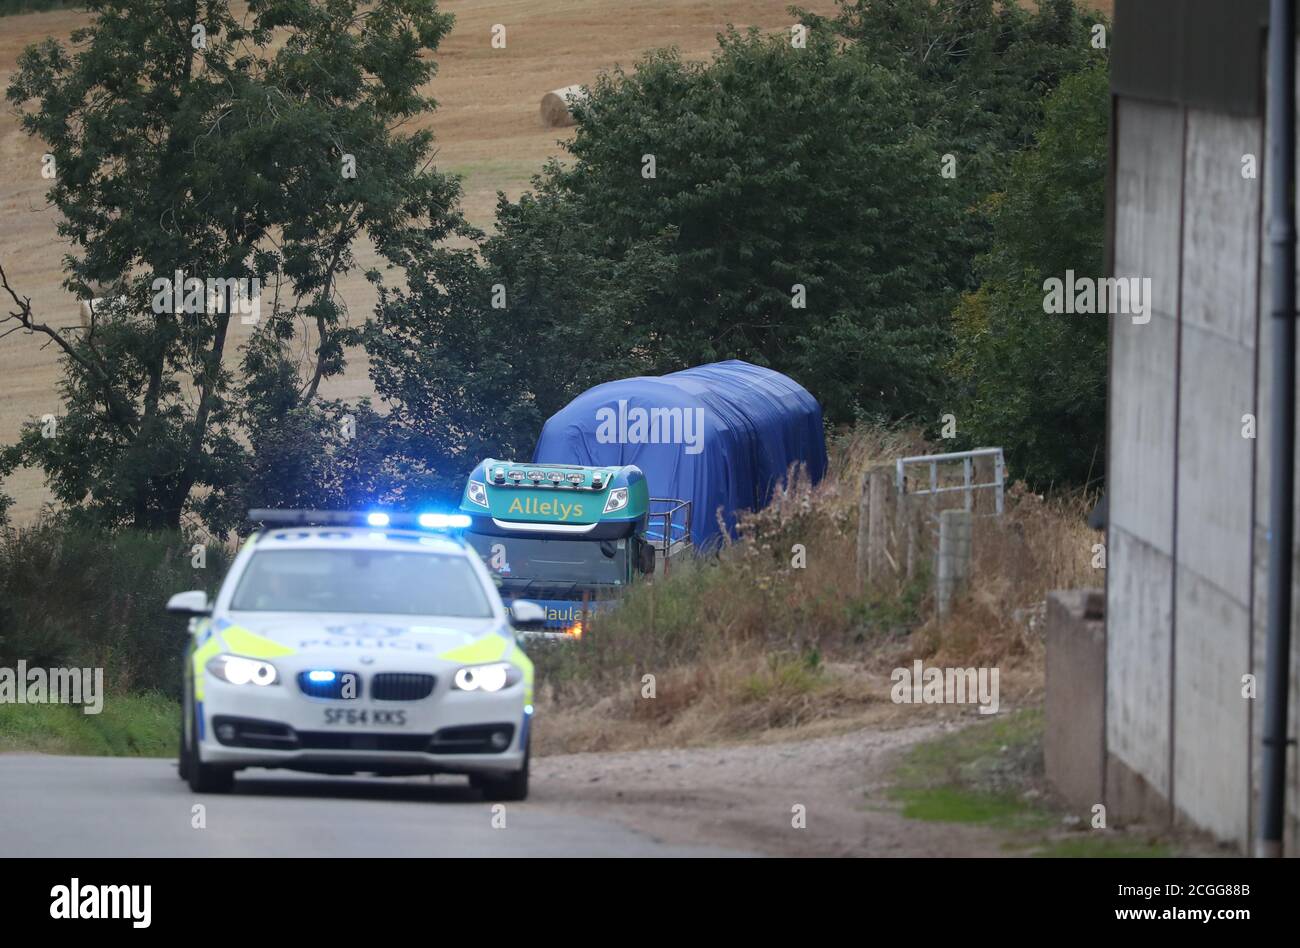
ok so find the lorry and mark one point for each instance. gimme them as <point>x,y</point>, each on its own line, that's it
<point>633,475</point>
<point>568,537</point>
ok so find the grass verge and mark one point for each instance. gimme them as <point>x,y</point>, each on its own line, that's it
<point>992,775</point>
<point>138,725</point>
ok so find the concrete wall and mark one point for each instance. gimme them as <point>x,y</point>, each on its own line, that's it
<point>1075,741</point>
<point>1212,601</point>
<point>1188,493</point>
<point>1142,432</point>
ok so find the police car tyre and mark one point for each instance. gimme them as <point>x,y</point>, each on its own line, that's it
<point>511,788</point>
<point>205,778</point>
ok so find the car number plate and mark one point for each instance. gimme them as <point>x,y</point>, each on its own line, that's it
<point>365,716</point>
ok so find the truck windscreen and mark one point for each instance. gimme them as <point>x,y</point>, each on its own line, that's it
<point>523,561</point>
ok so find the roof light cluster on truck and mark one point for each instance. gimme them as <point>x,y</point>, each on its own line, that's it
<point>537,477</point>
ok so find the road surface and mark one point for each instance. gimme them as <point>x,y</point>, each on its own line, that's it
<point>824,796</point>
<point>120,806</point>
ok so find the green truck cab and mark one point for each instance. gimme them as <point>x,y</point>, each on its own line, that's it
<point>570,538</point>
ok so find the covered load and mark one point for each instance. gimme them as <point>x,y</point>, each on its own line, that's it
<point>721,436</point>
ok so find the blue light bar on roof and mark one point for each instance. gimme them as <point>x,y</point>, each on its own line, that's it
<point>357,518</point>
<point>440,521</point>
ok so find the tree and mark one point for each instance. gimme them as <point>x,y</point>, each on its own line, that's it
<point>984,67</point>
<point>484,344</point>
<point>794,215</point>
<point>185,140</point>
<point>1036,383</point>
<point>983,71</point>
<point>785,203</point>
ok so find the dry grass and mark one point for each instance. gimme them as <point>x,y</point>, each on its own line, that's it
<point>1040,544</point>
<point>749,646</point>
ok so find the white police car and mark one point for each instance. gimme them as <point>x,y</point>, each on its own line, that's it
<point>357,643</point>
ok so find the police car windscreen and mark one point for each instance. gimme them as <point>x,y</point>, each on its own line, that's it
<point>383,581</point>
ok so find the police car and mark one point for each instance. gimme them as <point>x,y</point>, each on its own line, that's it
<point>345,643</point>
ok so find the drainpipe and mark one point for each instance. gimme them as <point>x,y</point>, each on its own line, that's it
<point>1282,236</point>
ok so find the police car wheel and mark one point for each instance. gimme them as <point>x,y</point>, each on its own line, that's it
<point>205,778</point>
<point>511,788</point>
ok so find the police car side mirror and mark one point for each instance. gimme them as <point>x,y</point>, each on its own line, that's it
<point>527,615</point>
<point>192,603</point>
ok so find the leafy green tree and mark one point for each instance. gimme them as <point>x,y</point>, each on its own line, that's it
<point>258,146</point>
<point>982,72</point>
<point>795,213</point>
<point>484,344</point>
<point>783,203</point>
<point>984,67</point>
<point>1035,383</point>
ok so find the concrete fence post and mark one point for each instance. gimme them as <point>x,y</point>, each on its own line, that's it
<point>954,557</point>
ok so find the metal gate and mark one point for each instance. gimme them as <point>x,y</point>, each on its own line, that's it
<point>935,485</point>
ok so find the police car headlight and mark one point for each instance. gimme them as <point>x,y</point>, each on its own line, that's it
<point>477,493</point>
<point>488,678</point>
<point>617,499</point>
<point>243,671</point>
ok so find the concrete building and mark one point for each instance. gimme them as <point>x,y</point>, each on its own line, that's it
<point>1188,423</point>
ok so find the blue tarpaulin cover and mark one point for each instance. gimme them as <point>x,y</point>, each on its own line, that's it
<point>742,427</point>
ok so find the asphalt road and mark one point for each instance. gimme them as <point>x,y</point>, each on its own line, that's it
<point>117,806</point>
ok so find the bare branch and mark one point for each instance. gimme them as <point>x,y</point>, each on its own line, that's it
<point>119,410</point>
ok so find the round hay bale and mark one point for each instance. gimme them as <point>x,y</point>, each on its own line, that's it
<point>555,106</point>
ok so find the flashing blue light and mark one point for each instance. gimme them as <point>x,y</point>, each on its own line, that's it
<point>377,519</point>
<point>528,709</point>
<point>439,521</point>
<point>321,676</point>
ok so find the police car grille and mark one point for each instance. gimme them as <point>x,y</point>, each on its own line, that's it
<point>334,688</point>
<point>401,686</point>
<point>337,740</point>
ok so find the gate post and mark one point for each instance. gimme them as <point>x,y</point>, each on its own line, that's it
<point>954,557</point>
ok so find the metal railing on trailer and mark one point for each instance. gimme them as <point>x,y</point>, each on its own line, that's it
<point>669,529</point>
